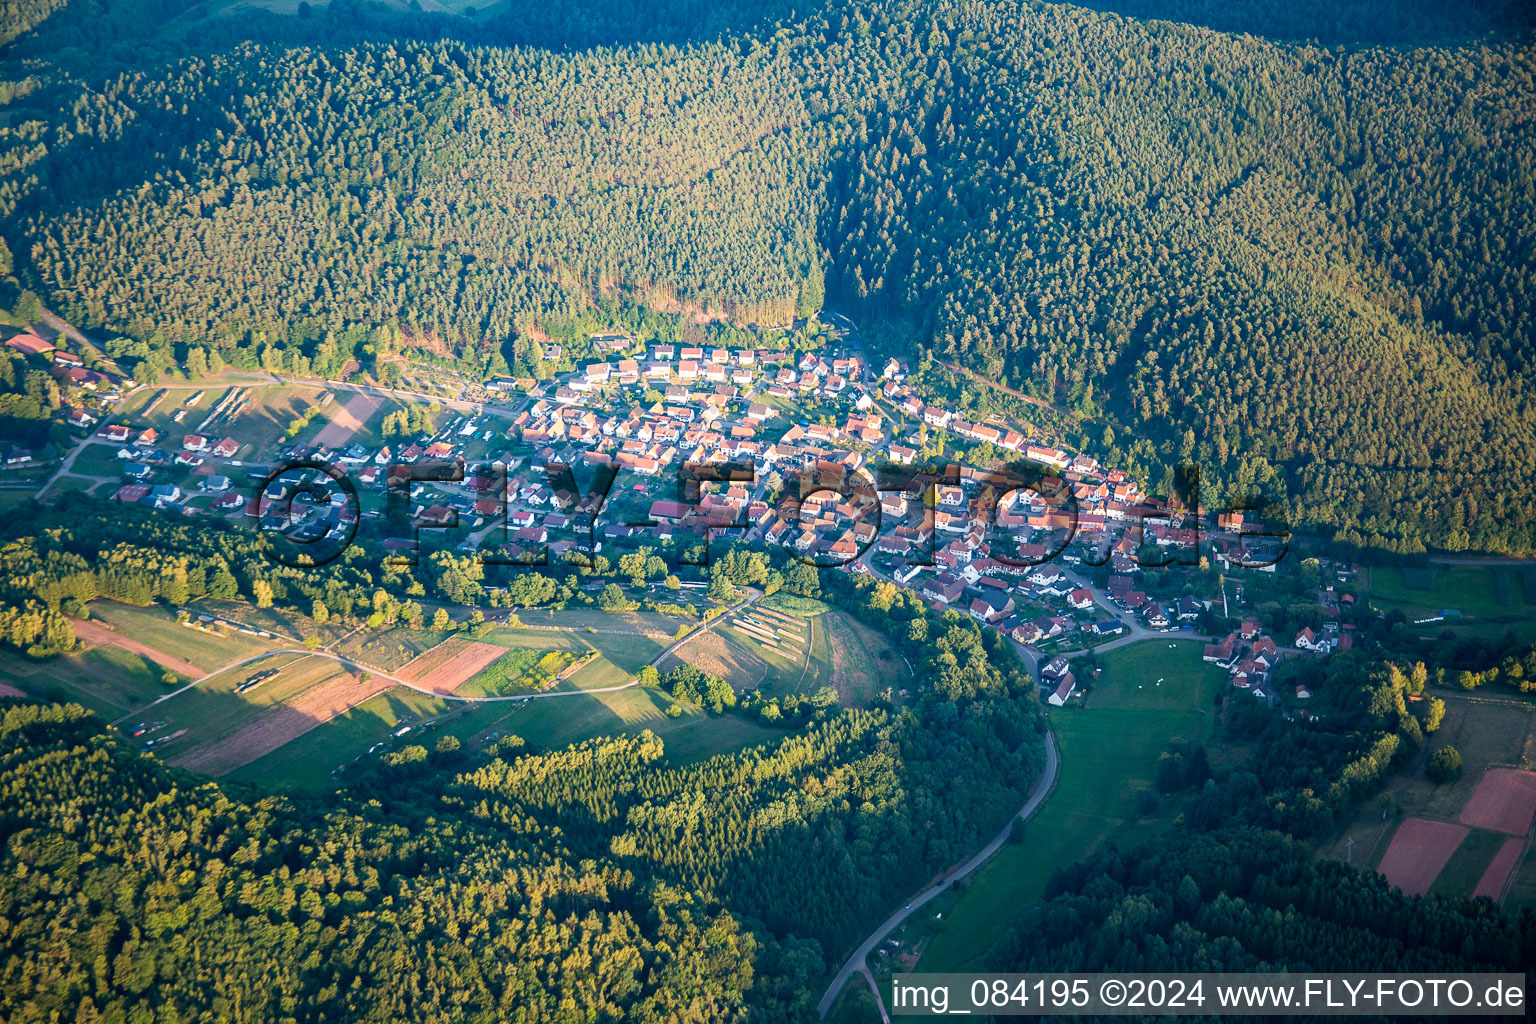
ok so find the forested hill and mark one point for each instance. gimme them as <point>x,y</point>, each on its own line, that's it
<point>1307,266</point>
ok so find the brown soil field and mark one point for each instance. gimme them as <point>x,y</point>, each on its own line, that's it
<point>1504,801</point>
<point>348,420</point>
<point>711,654</point>
<point>1496,877</point>
<point>450,664</point>
<point>1418,853</point>
<point>7,690</point>
<point>280,724</point>
<point>96,633</point>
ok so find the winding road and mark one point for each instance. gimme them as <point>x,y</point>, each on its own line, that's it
<point>856,963</point>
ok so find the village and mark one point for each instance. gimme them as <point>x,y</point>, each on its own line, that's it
<point>823,453</point>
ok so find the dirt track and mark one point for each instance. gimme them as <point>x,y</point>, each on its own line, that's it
<point>96,633</point>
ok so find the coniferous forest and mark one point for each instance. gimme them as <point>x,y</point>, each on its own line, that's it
<point>1291,242</point>
<point>1294,243</point>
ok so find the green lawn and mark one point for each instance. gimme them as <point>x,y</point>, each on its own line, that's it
<point>1109,751</point>
<point>1472,590</point>
<point>108,680</point>
<point>213,710</point>
<point>306,763</point>
<point>158,628</point>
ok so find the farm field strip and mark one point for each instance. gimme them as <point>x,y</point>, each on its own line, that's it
<point>1501,869</point>
<point>281,723</point>
<point>450,665</point>
<point>1504,801</point>
<point>1418,853</point>
<point>95,633</point>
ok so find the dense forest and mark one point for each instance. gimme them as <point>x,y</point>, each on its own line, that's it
<point>1293,243</point>
<point>1308,267</point>
<point>596,882</point>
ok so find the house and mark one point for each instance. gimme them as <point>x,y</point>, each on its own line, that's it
<point>81,418</point>
<point>90,380</point>
<point>116,432</point>
<point>18,456</point>
<point>136,471</point>
<point>1053,670</point>
<point>943,587</point>
<point>62,358</point>
<point>215,484</point>
<point>194,443</point>
<point>1107,627</point>
<point>1302,692</point>
<point>30,344</point>
<point>226,449</point>
<point>669,511</point>
<point>1081,599</point>
<point>1220,653</point>
<point>149,436</point>
<point>991,606</point>
<point>1064,691</point>
<point>164,494</point>
<point>1307,640</point>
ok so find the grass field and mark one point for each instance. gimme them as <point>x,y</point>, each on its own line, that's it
<point>1466,866</point>
<point>801,606</point>
<point>864,661</point>
<point>738,655</point>
<point>262,415</point>
<point>214,711</point>
<point>108,680</point>
<point>306,763</point>
<point>388,649</point>
<point>159,629</point>
<point>98,460</point>
<point>1109,751</point>
<point>341,408</point>
<point>1491,600</point>
<point>157,407</point>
